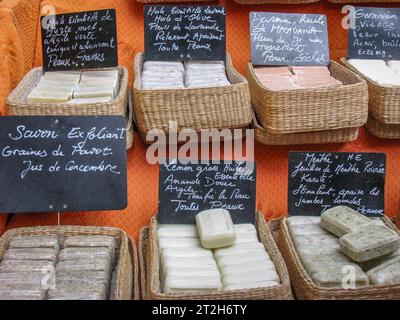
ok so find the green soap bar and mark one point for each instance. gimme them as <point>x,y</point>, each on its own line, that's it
<point>388,273</point>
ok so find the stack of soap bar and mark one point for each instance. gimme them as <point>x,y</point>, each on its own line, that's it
<point>27,265</point>
<point>84,269</point>
<point>186,267</point>
<point>205,74</point>
<point>163,75</point>
<point>216,229</point>
<point>387,273</point>
<point>343,220</point>
<point>246,265</point>
<point>377,70</point>
<point>98,84</point>
<point>320,253</point>
<point>292,78</point>
<point>370,242</point>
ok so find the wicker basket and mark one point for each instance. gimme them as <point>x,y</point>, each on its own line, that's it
<point>123,270</point>
<point>133,252</point>
<point>143,242</point>
<point>129,127</point>
<point>317,137</point>
<point>306,289</point>
<point>17,104</point>
<point>306,110</point>
<point>384,101</point>
<point>197,109</point>
<point>281,292</point>
<point>385,131</point>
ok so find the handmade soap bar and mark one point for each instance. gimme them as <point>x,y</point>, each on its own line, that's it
<point>240,258</point>
<point>111,73</point>
<point>199,271</point>
<point>307,230</point>
<point>187,252</point>
<point>241,248</point>
<point>301,220</point>
<point>376,70</point>
<point>94,92</point>
<point>246,237</point>
<point>215,228</point>
<point>31,254</point>
<point>243,268</point>
<point>97,264</point>
<point>48,97</point>
<point>317,249</point>
<point>167,242</point>
<point>176,285</point>
<point>315,240</point>
<point>250,285</point>
<point>368,265</point>
<point>370,242</point>
<point>388,273</point>
<point>177,231</point>
<point>76,293</point>
<point>90,100</point>
<point>90,241</point>
<point>15,266</point>
<point>336,279</point>
<point>187,262</point>
<point>245,228</point>
<point>34,242</point>
<point>266,275</point>
<point>87,253</point>
<point>22,295</point>
<point>342,220</point>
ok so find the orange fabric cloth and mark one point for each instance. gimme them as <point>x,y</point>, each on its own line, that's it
<point>272,161</point>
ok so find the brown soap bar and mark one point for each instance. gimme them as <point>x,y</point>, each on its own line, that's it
<point>24,242</point>
<point>91,241</point>
<point>87,254</point>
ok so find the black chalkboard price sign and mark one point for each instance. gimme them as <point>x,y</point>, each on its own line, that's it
<point>185,190</point>
<point>319,181</point>
<point>83,40</point>
<point>185,32</point>
<point>375,34</point>
<point>289,39</point>
<point>50,164</point>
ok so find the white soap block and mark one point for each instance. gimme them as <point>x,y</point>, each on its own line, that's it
<point>245,228</point>
<point>301,220</point>
<point>90,100</point>
<point>87,92</point>
<point>237,251</point>
<point>177,231</point>
<point>199,271</point>
<point>99,82</point>
<point>63,75</point>
<point>112,73</point>
<point>238,248</point>
<point>245,238</point>
<point>176,285</point>
<point>240,259</point>
<point>195,262</point>
<point>48,97</point>
<point>192,252</point>
<point>267,275</point>
<point>65,83</point>
<point>215,228</point>
<point>244,268</point>
<point>167,242</point>
<point>250,285</point>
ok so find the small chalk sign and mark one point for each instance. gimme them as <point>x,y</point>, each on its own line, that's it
<point>187,189</point>
<point>83,40</point>
<point>185,32</point>
<point>289,39</point>
<point>319,181</point>
<point>375,34</point>
<point>50,164</point>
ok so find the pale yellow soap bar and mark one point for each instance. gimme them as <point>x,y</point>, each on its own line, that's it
<point>175,285</point>
<point>177,231</point>
<point>48,97</point>
<point>112,73</point>
<point>91,100</point>
<point>93,92</point>
<point>216,229</point>
<point>243,268</point>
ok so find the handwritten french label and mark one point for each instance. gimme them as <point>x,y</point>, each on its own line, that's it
<point>319,181</point>
<point>185,32</point>
<point>376,34</point>
<point>185,190</point>
<point>288,39</point>
<point>52,164</point>
<point>83,40</point>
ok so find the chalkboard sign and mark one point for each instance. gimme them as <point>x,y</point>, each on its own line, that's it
<point>319,181</point>
<point>83,40</point>
<point>185,33</point>
<point>50,164</point>
<point>289,39</point>
<point>376,34</point>
<point>185,190</point>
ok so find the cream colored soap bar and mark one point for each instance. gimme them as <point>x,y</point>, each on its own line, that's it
<point>243,268</point>
<point>91,100</point>
<point>307,230</point>
<point>250,285</point>
<point>386,274</point>
<point>215,228</point>
<point>97,92</point>
<point>184,270</point>
<point>177,231</point>
<point>188,262</point>
<point>316,249</point>
<point>167,242</point>
<point>48,97</point>
<point>245,228</point>
<point>246,237</point>
<point>336,279</point>
<point>370,242</point>
<point>240,259</point>
<point>238,248</point>
<point>302,220</point>
<point>343,220</point>
<point>368,265</point>
<point>176,285</point>
<point>112,73</point>
<point>268,275</point>
<point>187,253</point>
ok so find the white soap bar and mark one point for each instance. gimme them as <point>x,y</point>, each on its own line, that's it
<point>268,275</point>
<point>62,76</point>
<point>246,238</point>
<point>190,252</point>
<point>243,268</point>
<point>57,84</point>
<point>99,82</point>
<point>200,271</point>
<point>90,100</point>
<point>250,285</point>
<point>239,259</point>
<point>301,220</point>
<point>48,97</point>
<point>87,92</point>
<point>236,249</point>
<point>176,285</point>
<point>112,73</point>
<point>215,228</point>
<point>177,231</point>
<point>193,262</point>
<point>166,242</point>
<point>245,228</point>
<point>386,274</point>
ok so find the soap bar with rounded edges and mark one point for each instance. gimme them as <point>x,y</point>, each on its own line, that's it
<point>22,295</point>
<point>167,242</point>
<point>187,262</point>
<point>34,242</point>
<point>93,92</point>
<point>335,278</point>
<point>177,231</point>
<point>184,270</point>
<point>14,266</point>
<point>246,237</point>
<point>90,100</point>
<point>240,258</point>
<point>266,275</point>
<point>73,293</point>
<point>176,285</point>
<point>301,220</point>
<point>386,274</point>
<point>90,253</point>
<point>314,240</point>
<point>250,285</point>
<point>98,264</point>
<point>311,260</point>
<point>243,268</point>
<point>187,253</point>
<point>236,249</point>
<point>90,241</point>
<point>370,242</point>
<point>316,249</point>
<point>307,230</point>
<point>245,228</point>
<point>31,254</point>
<point>215,228</point>
<point>368,265</point>
<point>343,220</point>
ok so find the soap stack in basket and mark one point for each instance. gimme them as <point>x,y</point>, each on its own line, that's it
<point>383,78</point>
<point>307,104</point>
